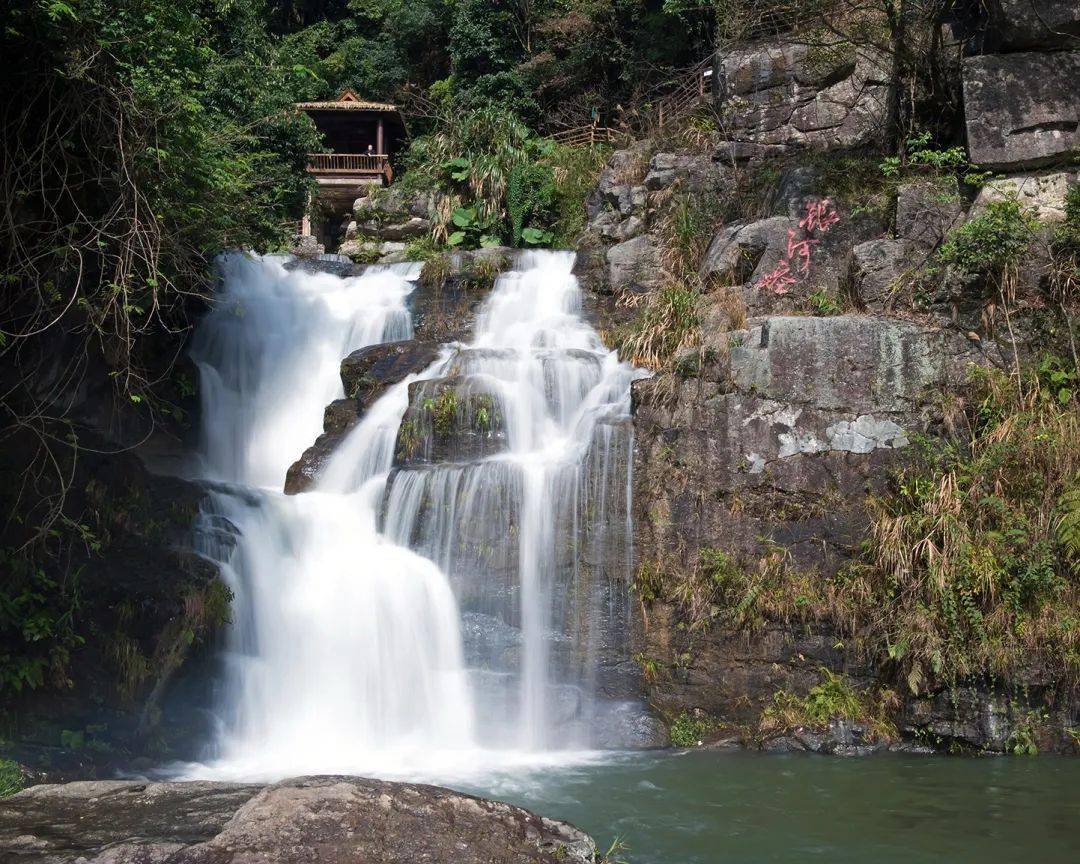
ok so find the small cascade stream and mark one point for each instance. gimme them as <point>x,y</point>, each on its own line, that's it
<point>452,596</point>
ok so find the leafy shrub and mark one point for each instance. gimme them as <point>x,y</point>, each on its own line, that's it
<point>37,626</point>
<point>687,730</point>
<point>991,242</point>
<point>514,184</point>
<point>835,697</point>
<point>529,199</point>
<point>472,229</point>
<point>920,152</point>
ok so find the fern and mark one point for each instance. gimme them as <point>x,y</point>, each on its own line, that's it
<point>1068,523</point>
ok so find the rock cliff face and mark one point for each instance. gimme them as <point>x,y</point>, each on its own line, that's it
<point>800,397</point>
<point>329,819</point>
<point>820,94</point>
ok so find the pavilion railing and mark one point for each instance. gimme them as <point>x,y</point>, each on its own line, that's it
<point>348,163</point>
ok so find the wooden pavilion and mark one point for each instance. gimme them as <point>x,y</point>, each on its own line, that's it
<point>363,138</point>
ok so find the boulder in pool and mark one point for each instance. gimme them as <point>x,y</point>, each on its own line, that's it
<point>332,820</point>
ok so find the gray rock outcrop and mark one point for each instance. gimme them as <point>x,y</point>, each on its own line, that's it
<point>792,95</point>
<point>1042,25</point>
<point>1042,193</point>
<point>1022,110</point>
<point>333,820</point>
<point>634,265</point>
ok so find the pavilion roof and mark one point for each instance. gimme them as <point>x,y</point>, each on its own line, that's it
<point>347,100</point>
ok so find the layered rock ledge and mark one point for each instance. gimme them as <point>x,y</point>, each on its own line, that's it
<point>325,819</point>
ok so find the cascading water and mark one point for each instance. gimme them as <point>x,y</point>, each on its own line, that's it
<point>452,594</point>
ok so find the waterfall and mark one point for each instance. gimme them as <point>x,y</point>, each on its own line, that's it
<point>453,592</point>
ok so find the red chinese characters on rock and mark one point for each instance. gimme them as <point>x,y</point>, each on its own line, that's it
<point>820,217</point>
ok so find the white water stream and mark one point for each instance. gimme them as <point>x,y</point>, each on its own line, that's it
<point>414,616</point>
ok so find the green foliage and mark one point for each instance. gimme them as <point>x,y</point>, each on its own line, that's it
<point>408,440</point>
<point>688,730</point>
<point>472,229</point>
<point>1067,235</point>
<point>37,626</point>
<point>834,697</point>
<point>1065,250</point>
<point>142,138</point>
<point>530,196</point>
<point>11,778</point>
<point>824,304</point>
<point>992,241</point>
<point>499,180</point>
<point>1023,739</point>
<point>442,411</point>
<point>921,153</point>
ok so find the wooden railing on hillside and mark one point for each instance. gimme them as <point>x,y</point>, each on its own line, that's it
<point>691,91</point>
<point>348,163</point>
<point>679,98</point>
<point>580,136</point>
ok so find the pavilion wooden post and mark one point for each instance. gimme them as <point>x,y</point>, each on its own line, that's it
<point>379,138</point>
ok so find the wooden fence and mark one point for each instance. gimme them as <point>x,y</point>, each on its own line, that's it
<point>580,136</point>
<point>347,163</point>
<point>689,91</point>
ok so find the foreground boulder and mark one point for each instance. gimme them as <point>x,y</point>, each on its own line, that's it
<point>325,819</point>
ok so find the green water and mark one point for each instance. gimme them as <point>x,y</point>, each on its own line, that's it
<point>742,808</point>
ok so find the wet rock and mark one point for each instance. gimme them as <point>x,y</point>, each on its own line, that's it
<point>451,289</point>
<point>927,209</point>
<point>450,420</point>
<point>973,718</point>
<point>369,372</point>
<point>1022,110</point>
<point>329,819</point>
<point>629,726</point>
<point>366,374</point>
<point>1042,193</point>
<point>1040,25</point>
<point>338,265</point>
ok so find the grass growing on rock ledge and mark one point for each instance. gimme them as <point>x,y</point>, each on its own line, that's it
<point>835,697</point>
<point>972,566</point>
<point>688,730</point>
<point>669,325</point>
<point>11,778</point>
